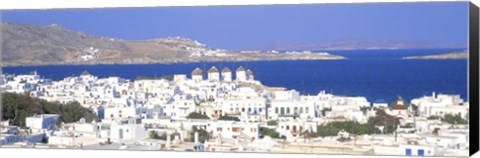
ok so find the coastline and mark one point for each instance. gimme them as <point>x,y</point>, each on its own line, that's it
<point>334,57</point>
<point>445,56</point>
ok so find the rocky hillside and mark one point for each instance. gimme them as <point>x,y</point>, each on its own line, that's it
<point>55,45</point>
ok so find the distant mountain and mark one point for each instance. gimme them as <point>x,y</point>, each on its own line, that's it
<point>452,55</point>
<point>354,45</point>
<point>55,45</point>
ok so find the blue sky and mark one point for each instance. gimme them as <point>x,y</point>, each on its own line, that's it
<point>241,27</point>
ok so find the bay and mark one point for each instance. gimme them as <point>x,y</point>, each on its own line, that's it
<point>375,74</point>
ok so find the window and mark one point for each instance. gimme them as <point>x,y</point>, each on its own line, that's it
<point>306,109</point>
<point>408,152</point>
<point>421,152</point>
<point>288,110</point>
<point>276,110</point>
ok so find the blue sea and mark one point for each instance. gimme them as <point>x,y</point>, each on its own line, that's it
<point>375,74</point>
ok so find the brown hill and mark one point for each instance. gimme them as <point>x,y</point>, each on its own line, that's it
<point>55,45</point>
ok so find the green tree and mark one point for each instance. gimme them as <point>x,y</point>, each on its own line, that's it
<point>17,107</point>
<point>309,135</point>
<point>229,118</point>
<point>324,111</point>
<point>203,135</point>
<point>454,119</point>
<point>153,135</point>
<point>272,122</point>
<point>195,115</point>
<point>433,117</point>
<point>269,132</point>
<point>364,109</point>
<point>381,118</point>
<point>408,125</point>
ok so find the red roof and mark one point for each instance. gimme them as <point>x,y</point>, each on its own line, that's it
<point>399,107</point>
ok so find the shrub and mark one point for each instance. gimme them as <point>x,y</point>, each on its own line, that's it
<point>229,118</point>
<point>195,115</point>
<point>269,132</point>
<point>272,123</point>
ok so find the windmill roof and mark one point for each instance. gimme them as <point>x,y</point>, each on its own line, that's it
<point>226,69</point>
<point>249,72</point>
<point>240,69</point>
<point>84,73</point>
<point>197,71</point>
<point>213,69</point>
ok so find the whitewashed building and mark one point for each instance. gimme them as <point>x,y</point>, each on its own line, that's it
<point>44,121</point>
<point>232,129</point>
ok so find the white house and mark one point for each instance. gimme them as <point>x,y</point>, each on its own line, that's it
<point>121,112</point>
<point>127,132</point>
<point>417,150</point>
<point>380,103</point>
<point>441,104</point>
<point>232,129</point>
<point>179,77</point>
<point>82,126</point>
<point>287,95</point>
<point>44,121</point>
<point>303,109</point>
